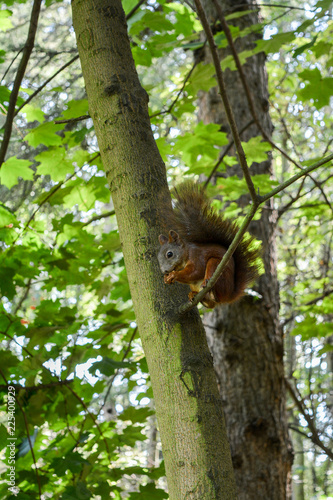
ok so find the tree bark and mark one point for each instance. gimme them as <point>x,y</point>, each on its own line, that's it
<point>188,405</point>
<point>245,338</point>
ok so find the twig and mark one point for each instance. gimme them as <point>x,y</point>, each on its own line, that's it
<point>45,83</point>
<point>11,64</point>
<point>248,94</point>
<point>225,99</point>
<point>225,152</point>
<point>19,387</point>
<point>135,8</point>
<point>16,342</point>
<point>99,217</point>
<point>318,185</point>
<point>304,171</point>
<point>314,433</point>
<point>166,111</point>
<point>24,296</point>
<point>51,193</point>
<point>116,373</point>
<point>93,418</point>
<point>29,45</point>
<point>222,265</point>
<point>259,200</point>
<point>73,120</point>
<point>310,303</point>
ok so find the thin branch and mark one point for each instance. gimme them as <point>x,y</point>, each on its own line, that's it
<point>248,94</point>
<point>135,8</point>
<point>225,152</point>
<point>99,217</point>
<point>225,99</point>
<point>304,171</point>
<point>24,296</point>
<point>6,334</point>
<point>11,64</point>
<point>289,136</point>
<point>93,418</point>
<point>259,200</point>
<point>29,45</point>
<point>37,91</point>
<point>51,193</point>
<point>314,433</point>
<point>116,372</point>
<point>280,6</point>
<point>166,111</point>
<point>73,120</point>
<point>310,303</point>
<point>224,262</point>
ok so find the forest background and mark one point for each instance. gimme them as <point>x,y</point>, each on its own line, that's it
<point>68,331</point>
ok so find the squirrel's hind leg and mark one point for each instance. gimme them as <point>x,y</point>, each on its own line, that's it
<point>223,290</point>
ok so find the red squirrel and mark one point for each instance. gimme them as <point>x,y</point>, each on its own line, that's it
<point>198,239</point>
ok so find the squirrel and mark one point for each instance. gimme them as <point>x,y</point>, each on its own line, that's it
<point>197,240</point>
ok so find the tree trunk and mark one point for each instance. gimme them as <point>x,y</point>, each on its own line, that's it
<point>245,338</point>
<point>188,405</point>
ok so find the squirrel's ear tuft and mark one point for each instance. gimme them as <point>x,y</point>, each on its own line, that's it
<point>174,237</point>
<point>162,239</point>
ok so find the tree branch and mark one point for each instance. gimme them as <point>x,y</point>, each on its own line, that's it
<point>259,200</point>
<point>314,433</point>
<point>29,45</point>
<point>222,265</point>
<point>225,152</point>
<point>225,99</point>
<point>248,94</point>
<point>310,303</point>
<point>45,83</point>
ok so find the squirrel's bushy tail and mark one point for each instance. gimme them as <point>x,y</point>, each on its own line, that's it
<point>196,221</point>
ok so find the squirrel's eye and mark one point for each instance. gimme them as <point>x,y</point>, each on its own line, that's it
<point>169,254</point>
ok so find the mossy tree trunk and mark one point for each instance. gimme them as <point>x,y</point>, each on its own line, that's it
<point>188,405</point>
<point>246,338</point>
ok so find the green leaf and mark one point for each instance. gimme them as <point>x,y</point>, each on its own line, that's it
<point>275,42</point>
<point>4,95</point>
<point>201,145</point>
<point>108,366</point>
<point>77,108</point>
<point>5,22</point>
<point>135,415</point>
<point>149,491</point>
<point>310,328</point>
<point>202,78</point>
<point>6,217</point>
<point>256,150</point>
<point>319,89</point>
<point>53,163</point>
<point>45,134</point>
<point>14,168</point>
<point>32,113</point>
<point>304,47</point>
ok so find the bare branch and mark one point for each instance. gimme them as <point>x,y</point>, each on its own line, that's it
<point>45,83</point>
<point>225,99</point>
<point>248,94</point>
<point>29,45</point>
<point>73,120</point>
<point>314,433</point>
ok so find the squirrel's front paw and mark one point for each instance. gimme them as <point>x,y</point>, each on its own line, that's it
<point>170,278</point>
<point>191,295</point>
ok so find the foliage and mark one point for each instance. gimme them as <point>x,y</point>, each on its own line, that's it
<point>70,347</point>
